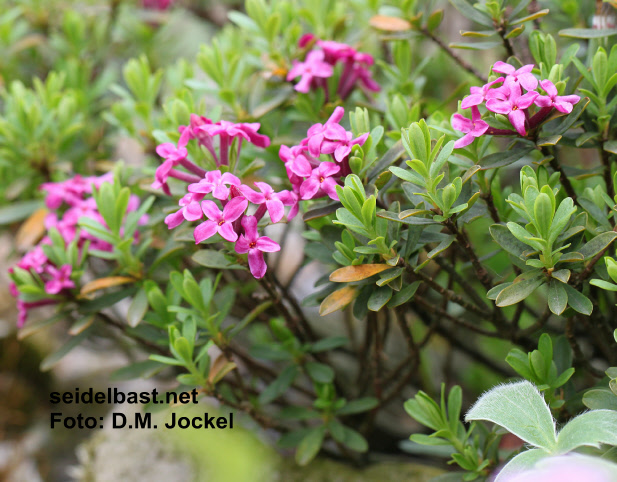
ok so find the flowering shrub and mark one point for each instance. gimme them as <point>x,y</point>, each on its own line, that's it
<point>326,155</point>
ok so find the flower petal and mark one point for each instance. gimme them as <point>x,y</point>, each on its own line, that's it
<point>461,123</point>
<point>242,245</point>
<point>226,230</point>
<point>275,209</point>
<point>517,119</point>
<point>266,245</point>
<point>211,210</point>
<point>235,208</point>
<point>257,265</point>
<point>205,230</point>
<point>174,220</point>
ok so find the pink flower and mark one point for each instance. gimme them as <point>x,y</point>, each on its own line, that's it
<point>321,181</point>
<point>306,39</point>
<point>72,190</point>
<point>274,201</point>
<point>361,63</point>
<point>34,260</point>
<point>295,160</point>
<point>568,468</point>
<point>246,131</point>
<point>173,156</point>
<point>514,106</point>
<point>523,75</point>
<point>190,211</point>
<point>336,51</point>
<point>342,148</point>
<point>317,132</point>
<point>250,242</point>
<point>479,94</point>
<point>215,183</point>
<point>220,222</point>
<point>472,128</point>
<point>157,4</point>
<point>312,67</point>
<point>563,103</point>
<point>60,279</point>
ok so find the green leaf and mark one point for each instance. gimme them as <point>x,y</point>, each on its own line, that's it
<point>17,211</point>
<point>211,258</point>
<point>137,309</point>
<point>589,429</point>
<point>318,372</point>
<point>557,297</point>
<point>605,285</point>
<point>50,360</point>
<point>587,33</point>
<point>279,386</point>
<point>350,438</point>
<point>390,216</point>
<point>358,406</point>
<point>578,301</point>
<point>517,292</point>
<point>329,343</point>
<point>504,238</point>
<point>505,158</point>
<point>379,298</point>
<point>404,295</point>
<point>600,399</point>
<point>309,446</point>
<point>597,244</point>
<point>472,13</point>
<point>142,369</point>
<point>520,409</point>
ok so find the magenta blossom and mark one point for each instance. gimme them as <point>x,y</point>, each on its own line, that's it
<point>157,4</point>
<point>253,244</point>
<point>479,94</point>
<point>34,260</point>
<point>523,75</point>
<point>220,221</point>
<point>215,183</point>
<point>295,160</point>
<point>321,181</point>
<point>336,51</point>
<point>60,279</point>
<point>563,103</point>
<point>317,132</point>
<point>514,107</point>
<point>274,201</point>
<point>313,66</point>
<point>342,147</point>
<point>246,131</point>
<point>190,211</point>
<point>472,128</point>
<point>306,39</point>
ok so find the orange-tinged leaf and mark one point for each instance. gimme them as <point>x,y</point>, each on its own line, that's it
<point>337,300</point>
<point>219,369</point>
<point>357,273</point>
<point>32,230</point>
<point>390,24</point>
<point>102,283</point>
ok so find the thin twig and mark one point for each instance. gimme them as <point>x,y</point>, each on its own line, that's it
<point>465,65</point>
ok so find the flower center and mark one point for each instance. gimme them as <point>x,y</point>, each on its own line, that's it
<point>514,107</point>
<point>221,222</point>
<point>252,245</point>
<point>321,179</point>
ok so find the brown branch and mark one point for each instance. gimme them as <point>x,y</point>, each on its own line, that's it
<point>465,65</point>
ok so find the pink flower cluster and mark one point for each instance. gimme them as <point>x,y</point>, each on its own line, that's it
<point>312,177</point>
<point>319,65</point>
<point>227,212</point>
<point>74,196</point>
<point>156,4</point>
<point>508,99</point>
